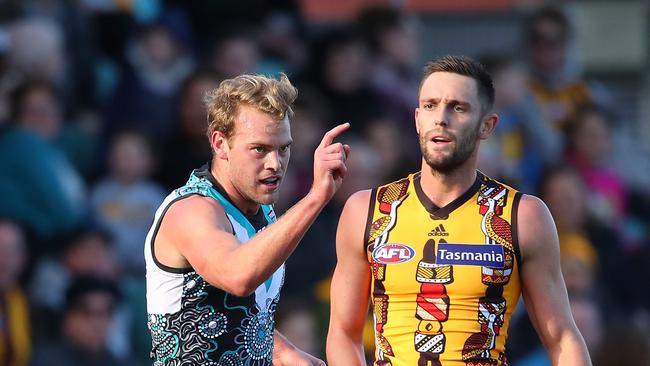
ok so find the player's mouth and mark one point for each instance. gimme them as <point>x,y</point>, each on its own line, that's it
<point>441,139</point>
<point>271,182</point>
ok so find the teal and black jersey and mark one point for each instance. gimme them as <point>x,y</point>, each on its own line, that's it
<point>195,323</point>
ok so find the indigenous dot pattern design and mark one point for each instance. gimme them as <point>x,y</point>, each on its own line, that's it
<point>258,336</point>
<point>201,333</point>
<point>212,326</point>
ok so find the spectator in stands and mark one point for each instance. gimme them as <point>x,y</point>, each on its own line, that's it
<point>89,309</point>
<point>556,83</point>
<point>341,75</point>
<point>37,51</point>
<point>88,252</point>
<point>37,106</point>
<point>523,142</point>
<point>589,136</point>
<point>188,148</point>
<point>392,39</point>
<point>283,44</point>
<point>588,148</point>
<point>126,200</point>
<point>40,188</point>
<point>145,97</point>
<point>234,53</point>
<point>625,342</point>
<point>15,333</point>
<point>563,190</point>
<point>395,159</point>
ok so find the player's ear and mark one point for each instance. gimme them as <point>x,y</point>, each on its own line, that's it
<point>488,124</point>
<point>220,145</point>
<point>417,121</point>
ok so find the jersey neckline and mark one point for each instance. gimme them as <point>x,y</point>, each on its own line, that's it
<point>442,213</point>
<point>258,220</point>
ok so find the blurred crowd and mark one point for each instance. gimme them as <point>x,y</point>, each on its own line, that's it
<point>101,115</point>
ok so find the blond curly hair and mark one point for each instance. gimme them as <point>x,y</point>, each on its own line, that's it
<point>269,95</point>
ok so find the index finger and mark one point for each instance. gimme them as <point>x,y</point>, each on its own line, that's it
<point>330,135</point>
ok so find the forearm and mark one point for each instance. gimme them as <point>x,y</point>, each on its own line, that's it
<point>570,350</point>
<point>343,350</point>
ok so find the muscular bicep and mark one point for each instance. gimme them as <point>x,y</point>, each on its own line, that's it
<point>351,282</point>
<point>543,286</point>
<point>196,232</point>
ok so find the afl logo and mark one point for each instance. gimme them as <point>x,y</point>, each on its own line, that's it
<point>392,253</point>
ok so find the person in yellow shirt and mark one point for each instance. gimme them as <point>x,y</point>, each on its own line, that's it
<point>559,89</point>
<point>445,253</point>
<point>15,335</point>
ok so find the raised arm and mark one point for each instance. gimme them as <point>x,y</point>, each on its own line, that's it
<point>196,232</point>
<point>543,287</point>
<point>350,289</point>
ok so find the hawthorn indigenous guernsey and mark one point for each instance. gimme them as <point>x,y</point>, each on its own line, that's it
<point>445,280</point>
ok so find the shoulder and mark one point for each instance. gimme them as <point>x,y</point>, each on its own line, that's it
<point>358,202</point>
<point>195,209</point>
<point>532,211</point>
<point>355,212</point>
<point>195,204</point>
<point>352,223</point>
<point>536,227</point>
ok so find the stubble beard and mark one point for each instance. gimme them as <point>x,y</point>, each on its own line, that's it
<point>251,190</point>
<point>463,149</point>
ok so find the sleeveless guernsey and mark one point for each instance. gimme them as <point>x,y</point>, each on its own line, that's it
<point>445,280</point>
<point>195,323</point>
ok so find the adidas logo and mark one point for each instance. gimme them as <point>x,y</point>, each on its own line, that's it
<point>438,231</point>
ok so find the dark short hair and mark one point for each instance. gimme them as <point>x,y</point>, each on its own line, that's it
<point>466,66</point>
<point>576,121</point>
<point>494,63</point>
<point>546,14</point>
<point>18,95</point>
<point>74,238</point>
<point>84,285</point>
<point>374,21</point>
<point>552,171</point>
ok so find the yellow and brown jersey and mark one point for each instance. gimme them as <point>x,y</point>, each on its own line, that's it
<point>560,103</point>
<point>444,279</point>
